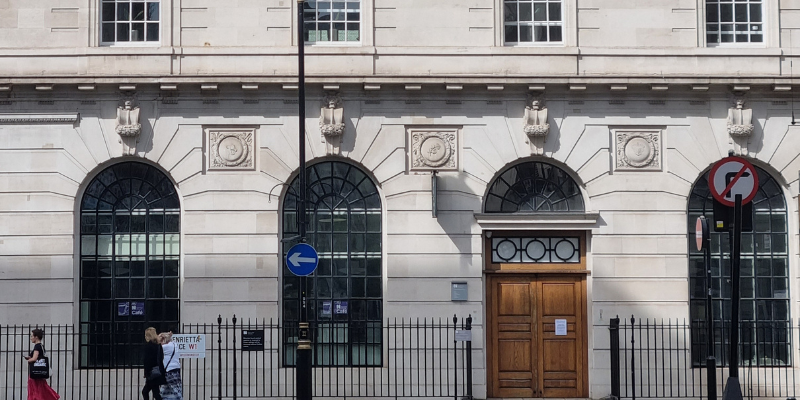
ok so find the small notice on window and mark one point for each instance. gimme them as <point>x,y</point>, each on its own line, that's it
<point>326,309</point>
<point>137,308</point>
<point>561,327</point>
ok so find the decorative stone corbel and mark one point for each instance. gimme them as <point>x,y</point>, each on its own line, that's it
<point>740,125</point>
<point>331,122</point>
<point>128,127</point>
<point>536,126</point>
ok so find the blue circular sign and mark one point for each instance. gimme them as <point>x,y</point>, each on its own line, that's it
<point>302,259</point>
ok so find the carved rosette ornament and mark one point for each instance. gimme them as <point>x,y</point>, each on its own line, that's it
<point>128,127</point>
<point>433,149</point>
<point>740,125</point>
<point>231,148</point>
<point>536,126</point>
<point>638,150</point>
<point>331,122</point>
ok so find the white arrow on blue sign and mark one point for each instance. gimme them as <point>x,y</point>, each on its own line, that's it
<point>302,259</point>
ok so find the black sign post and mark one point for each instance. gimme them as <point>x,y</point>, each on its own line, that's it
<point>304,370</point>
<point>703,237</point>
<point>732,389</point>
<point>733,182</point>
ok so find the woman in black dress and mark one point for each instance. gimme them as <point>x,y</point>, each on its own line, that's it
<point>153,361</point>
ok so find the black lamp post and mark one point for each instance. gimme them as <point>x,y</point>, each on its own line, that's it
<point>303,370</point>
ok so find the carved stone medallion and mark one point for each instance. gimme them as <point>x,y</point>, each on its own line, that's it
<point>231,148</point>
<point>433,149</point>
<point>638,149</point>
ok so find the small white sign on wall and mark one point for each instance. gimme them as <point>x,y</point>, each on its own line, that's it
<point>190,345</point>
<point>561,327</point>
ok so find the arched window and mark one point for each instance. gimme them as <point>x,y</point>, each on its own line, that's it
<point>129,271</point>
<point>764,306</point>
<point>533,187</point>
<point>346,291</point>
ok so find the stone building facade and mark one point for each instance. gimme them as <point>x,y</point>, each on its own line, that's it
<point>570,142</point>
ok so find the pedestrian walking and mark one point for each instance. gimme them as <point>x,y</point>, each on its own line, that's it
<point>173,390</point>
<point>39,370</point>
<point>153,361</point>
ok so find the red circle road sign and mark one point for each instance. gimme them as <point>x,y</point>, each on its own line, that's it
<point>731,176</point>
<point>701,232</point>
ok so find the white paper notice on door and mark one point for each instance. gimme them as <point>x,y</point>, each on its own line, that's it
<point>561,327</point>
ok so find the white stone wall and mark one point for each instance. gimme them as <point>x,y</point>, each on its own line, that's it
<point>230,224</point>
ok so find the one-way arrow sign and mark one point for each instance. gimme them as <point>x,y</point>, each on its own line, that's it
<point>302,259</point>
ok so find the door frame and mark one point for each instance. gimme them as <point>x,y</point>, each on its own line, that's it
<point>493,271</point>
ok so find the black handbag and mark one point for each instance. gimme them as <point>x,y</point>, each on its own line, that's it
<point>155,372</point>
<point>155,375</point>
<point>40,369</point>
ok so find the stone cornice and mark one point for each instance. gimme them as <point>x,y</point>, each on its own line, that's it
<point>8,119</point>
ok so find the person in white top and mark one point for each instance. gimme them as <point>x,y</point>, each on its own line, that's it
<point>173,390</point>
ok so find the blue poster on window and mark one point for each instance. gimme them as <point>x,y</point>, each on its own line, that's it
<point>137,308</point>
<point>326,308</point>
<point>123,309</point>
<point>340,307</point>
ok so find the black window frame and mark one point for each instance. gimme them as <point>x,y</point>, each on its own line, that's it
<point>735,22</point>
<point>126,208</point>
<point>534,187</point>
<point>121,22</point>
<point>533,22</point>
<point>345,226</point>
<point>763,332</point>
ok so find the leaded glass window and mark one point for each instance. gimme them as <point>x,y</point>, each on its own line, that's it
<point>129,263</point>
<point>332,21</point>
<point>534,187</point>
<point>533,21</point>
<point>734,21</point>
<point>345,293</point>
<point>764,306</point>
<point>536,250</point>
<point>129,21</point>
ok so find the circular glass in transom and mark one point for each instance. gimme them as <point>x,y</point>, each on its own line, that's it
<point>536,250</point>
<point>565,249</point>
<point>506,249</point>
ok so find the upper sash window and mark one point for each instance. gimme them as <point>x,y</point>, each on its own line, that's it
<point>129,21</point>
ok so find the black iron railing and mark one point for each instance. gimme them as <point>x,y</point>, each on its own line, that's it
<point>659,359</point>
<point>417,358</point>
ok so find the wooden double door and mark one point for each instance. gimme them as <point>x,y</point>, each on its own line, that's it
<point>530,354</point>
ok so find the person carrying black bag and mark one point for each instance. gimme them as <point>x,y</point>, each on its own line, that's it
<point>39,370</point>
<point>153,361</point>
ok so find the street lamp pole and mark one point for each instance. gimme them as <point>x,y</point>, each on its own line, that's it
<point>303,370</point>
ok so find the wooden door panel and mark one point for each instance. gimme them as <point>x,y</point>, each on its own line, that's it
<point>561,356</point>
<point>513,342</point>
<point>527,359</point>
<point>515,355</point>
<point>515,299</point>
<point>558,299</point>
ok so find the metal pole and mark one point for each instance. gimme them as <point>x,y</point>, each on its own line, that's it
<point>709,305</point>
<point>303,371</point>
<point>711,374</point>
<point>732,389</point>
<point>235,378</point>
<point>455,358</point>
<point>469,358</point>
<point>735,295</point>
<point>711,361</point>
<point>613,334</point>
<point>219,356</point>
<point>633,358</point>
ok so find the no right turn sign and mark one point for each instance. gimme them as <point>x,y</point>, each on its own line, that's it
<point>731,176</point>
